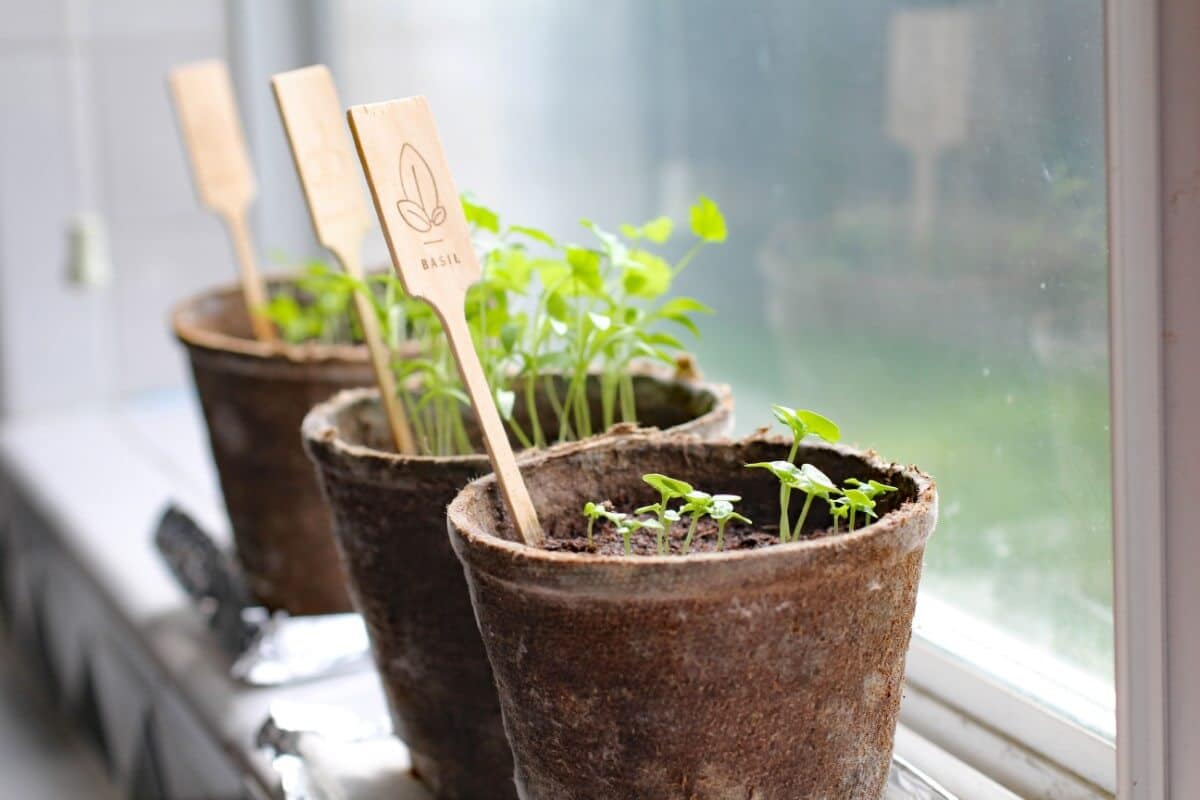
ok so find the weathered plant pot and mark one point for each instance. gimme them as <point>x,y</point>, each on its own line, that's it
<point>389,517</point>
<point>254,395</point>
<point>771,673</point>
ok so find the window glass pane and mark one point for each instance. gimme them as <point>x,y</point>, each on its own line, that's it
<point>915,194</point>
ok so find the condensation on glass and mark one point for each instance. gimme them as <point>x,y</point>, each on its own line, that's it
<point>915,194</point>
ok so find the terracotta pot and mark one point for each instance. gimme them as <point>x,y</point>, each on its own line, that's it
<point>254,396</point>
<point>389,516</point>
<point>772,673</point>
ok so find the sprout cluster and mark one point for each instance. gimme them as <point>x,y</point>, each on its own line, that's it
<point>693,506</point>
<point>545,316</point>
<point>847,502</point>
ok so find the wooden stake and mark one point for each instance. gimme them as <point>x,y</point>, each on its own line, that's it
<point>312,117</point>
<point>212,133</point>
<point>430,243</point>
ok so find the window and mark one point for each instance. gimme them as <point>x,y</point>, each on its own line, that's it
<point>916,194</point>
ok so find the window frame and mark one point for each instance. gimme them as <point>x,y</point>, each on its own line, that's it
<point>1153,127</point>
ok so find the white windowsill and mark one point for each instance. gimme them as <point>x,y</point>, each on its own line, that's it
<point>117,469</point>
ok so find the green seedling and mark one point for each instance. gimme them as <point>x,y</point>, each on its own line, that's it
<point>668,489</point>
<point>595,511</point>
<point>547,315</point>
<point>788,475</point>
<point>815,484</point>
<point>856,498</point>
<point>722,511</point>
<point>871,488</point>
<point>861,497</point>
<point>628,525</point>
<point>717,506</point>
<point>317,307</point>
<point>808,479</point>
<point>839,509</point>
<point>859,502</point>
<point>802,422</point>
<point>696,503</point>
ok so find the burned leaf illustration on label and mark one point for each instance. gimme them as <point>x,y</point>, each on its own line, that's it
<point>421,208</point>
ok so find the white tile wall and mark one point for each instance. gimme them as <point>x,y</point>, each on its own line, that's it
<point>48,333</point>
<point>99,137</point>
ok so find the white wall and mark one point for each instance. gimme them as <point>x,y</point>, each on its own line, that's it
<point>86,126</point>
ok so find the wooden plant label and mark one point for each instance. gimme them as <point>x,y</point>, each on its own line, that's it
<point>430,244</point>
<point>212,134</point>
<point>316,131</point>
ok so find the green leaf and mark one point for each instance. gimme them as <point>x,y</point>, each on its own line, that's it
<point>803,422</point>
<point>817,480</point>
<point>630,231</point>
<point>646,275</point>
<point>533,233</point>
<point>707,221</point>
<point>663,339</point>
<point>858,499</point>
<point>612,245</point>
<point>687,323</point>
<point>510,334</point>
<point>658,230</point>
<point>505,400</point>
<point>678,306</point>
<point>819,425</point>
<point>871,488</point>
<point>585,268</point>
<point>479,215</point>
<point>720,509</point>
<point>601,322</point>
<point>557,307</point>
<point>671,487</point>
<point>787,472</point>
<point>653,352</point>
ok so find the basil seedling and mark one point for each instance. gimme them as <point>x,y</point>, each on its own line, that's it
<point>801,423</point>
<point>595,511</point>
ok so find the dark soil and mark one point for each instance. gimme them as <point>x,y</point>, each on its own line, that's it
<point>607,541</point>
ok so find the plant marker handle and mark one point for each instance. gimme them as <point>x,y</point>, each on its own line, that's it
<point>495,438</point>
<point>212,134</point>
<point>316,132</point>
<point>430,244</point>
<point>254,291</point>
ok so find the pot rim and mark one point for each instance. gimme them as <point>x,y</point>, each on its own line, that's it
<point>320,433</point>
<point>194,335</point>
<point>885,540</point>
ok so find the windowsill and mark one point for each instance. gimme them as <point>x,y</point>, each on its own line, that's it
<point>83,493</point>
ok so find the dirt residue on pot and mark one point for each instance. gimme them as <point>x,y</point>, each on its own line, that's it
<point>772,672</point>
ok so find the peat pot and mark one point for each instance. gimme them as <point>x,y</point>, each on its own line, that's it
<point>389,515</point>
<point>771,673</point>
<point>254,395</point>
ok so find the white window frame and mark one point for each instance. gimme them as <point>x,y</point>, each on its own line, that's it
<point>1153,119</point>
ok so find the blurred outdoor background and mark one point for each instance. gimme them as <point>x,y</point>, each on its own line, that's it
<point>914,192</point>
